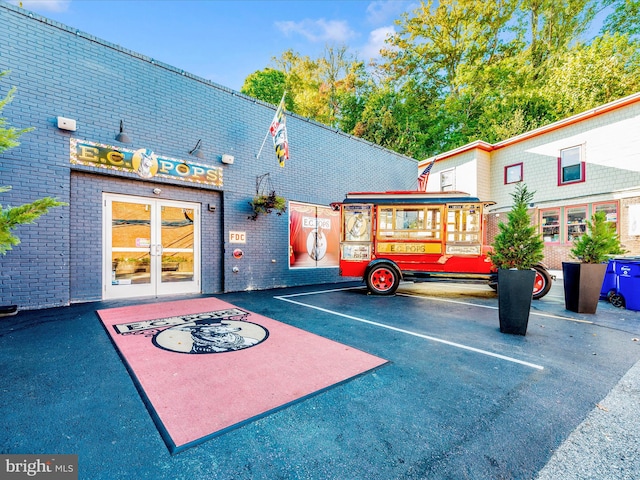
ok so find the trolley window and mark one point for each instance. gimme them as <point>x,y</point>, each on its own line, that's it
<point>463,228</point>
<point>409,223</point>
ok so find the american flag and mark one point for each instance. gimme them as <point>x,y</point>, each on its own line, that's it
<point>278,130</point>
<point>424,176</point>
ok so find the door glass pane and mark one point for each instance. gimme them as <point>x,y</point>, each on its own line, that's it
<point>130,243</point>
<point>177,244</point>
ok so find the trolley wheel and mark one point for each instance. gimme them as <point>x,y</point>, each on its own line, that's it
<point>383,279</point>
<point>542,283</point>
<point>616,299</point>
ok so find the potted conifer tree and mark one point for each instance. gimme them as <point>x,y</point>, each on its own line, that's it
<point>516,249</point>
<point>583,279</point>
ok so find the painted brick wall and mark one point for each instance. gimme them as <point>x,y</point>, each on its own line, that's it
<point>60,71</point>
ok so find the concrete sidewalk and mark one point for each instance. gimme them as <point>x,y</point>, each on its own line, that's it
<point>606,445</point>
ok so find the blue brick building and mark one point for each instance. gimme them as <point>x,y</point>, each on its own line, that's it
<point>183,225</point>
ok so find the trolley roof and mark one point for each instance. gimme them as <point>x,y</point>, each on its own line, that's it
<point>410,197</point>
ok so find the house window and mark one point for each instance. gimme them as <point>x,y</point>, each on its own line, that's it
<point>513,173</point>
<point>570,166</point>
<point>576,222</point>
<point>610,210</point>
<point>447,180</point>
<point>550,221</point>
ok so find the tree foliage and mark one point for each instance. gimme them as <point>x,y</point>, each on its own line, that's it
<point>8,135</point>
<point>267,85</point>
<point>12,217</point>
<point>518,244</point>
<point>456,71</point>
<point>599,242</point>
<point>625,18</point>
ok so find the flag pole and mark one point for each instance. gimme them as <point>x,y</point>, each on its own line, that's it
<point>268,131</point>
<point>262,146</point>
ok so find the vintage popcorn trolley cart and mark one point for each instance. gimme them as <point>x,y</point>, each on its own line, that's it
<point>389,236</point>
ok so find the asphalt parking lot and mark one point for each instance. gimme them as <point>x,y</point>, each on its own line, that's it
<point>458,399</point>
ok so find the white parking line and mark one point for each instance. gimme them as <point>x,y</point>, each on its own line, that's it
<point>548,315</point>
<point>286,298</point>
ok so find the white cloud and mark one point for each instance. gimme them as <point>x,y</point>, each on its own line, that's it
<point>320,30</point>
<point>382,11</point>
<point>43,5</point>
<point>375,42</point>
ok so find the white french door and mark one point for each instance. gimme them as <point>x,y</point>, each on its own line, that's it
<point>151,247</point>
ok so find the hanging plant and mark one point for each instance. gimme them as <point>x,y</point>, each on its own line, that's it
<point>267,203</point>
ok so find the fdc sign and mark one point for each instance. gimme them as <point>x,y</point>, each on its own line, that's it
<point>237,237</point>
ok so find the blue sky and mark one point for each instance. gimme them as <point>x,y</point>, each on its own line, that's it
<point>226,40</point>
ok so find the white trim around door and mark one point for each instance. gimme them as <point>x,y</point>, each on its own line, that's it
<point>151,247</point>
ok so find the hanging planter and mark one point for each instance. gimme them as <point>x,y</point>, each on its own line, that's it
<point>267,203</point>
<point>266,200</point>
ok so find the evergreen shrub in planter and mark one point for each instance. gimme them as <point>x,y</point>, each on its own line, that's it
<point>583,279</point>
<point>516,249</point>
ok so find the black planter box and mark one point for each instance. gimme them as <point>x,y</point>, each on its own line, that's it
<point>6,310</point>
<point>515,292</point>
<point>582,285</point>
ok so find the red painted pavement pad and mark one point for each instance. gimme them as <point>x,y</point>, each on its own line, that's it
<point>194,396</point>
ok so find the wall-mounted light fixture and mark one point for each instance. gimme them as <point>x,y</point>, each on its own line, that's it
<point>228,159</point>
<point>157,191</point>
<point>67,124</point>
<point>197,151</point>
<point>122,137</point>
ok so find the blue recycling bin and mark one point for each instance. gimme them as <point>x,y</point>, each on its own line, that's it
<point>609,283</point>
<point>628,282</point>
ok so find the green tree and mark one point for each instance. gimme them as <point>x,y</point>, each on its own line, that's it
<point>587,76</point>
<point>625,18</point>
<point>449,59</point>
<point>551,26</point>
<point>599,242</point>
<point>267,85</point>
<point>8,135</point>
<point>457,71</point>
<point>518,244</point>
<point>12,217</point>
<point>483,70</point>
<point>303,84</point>
<point>326,89</point>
